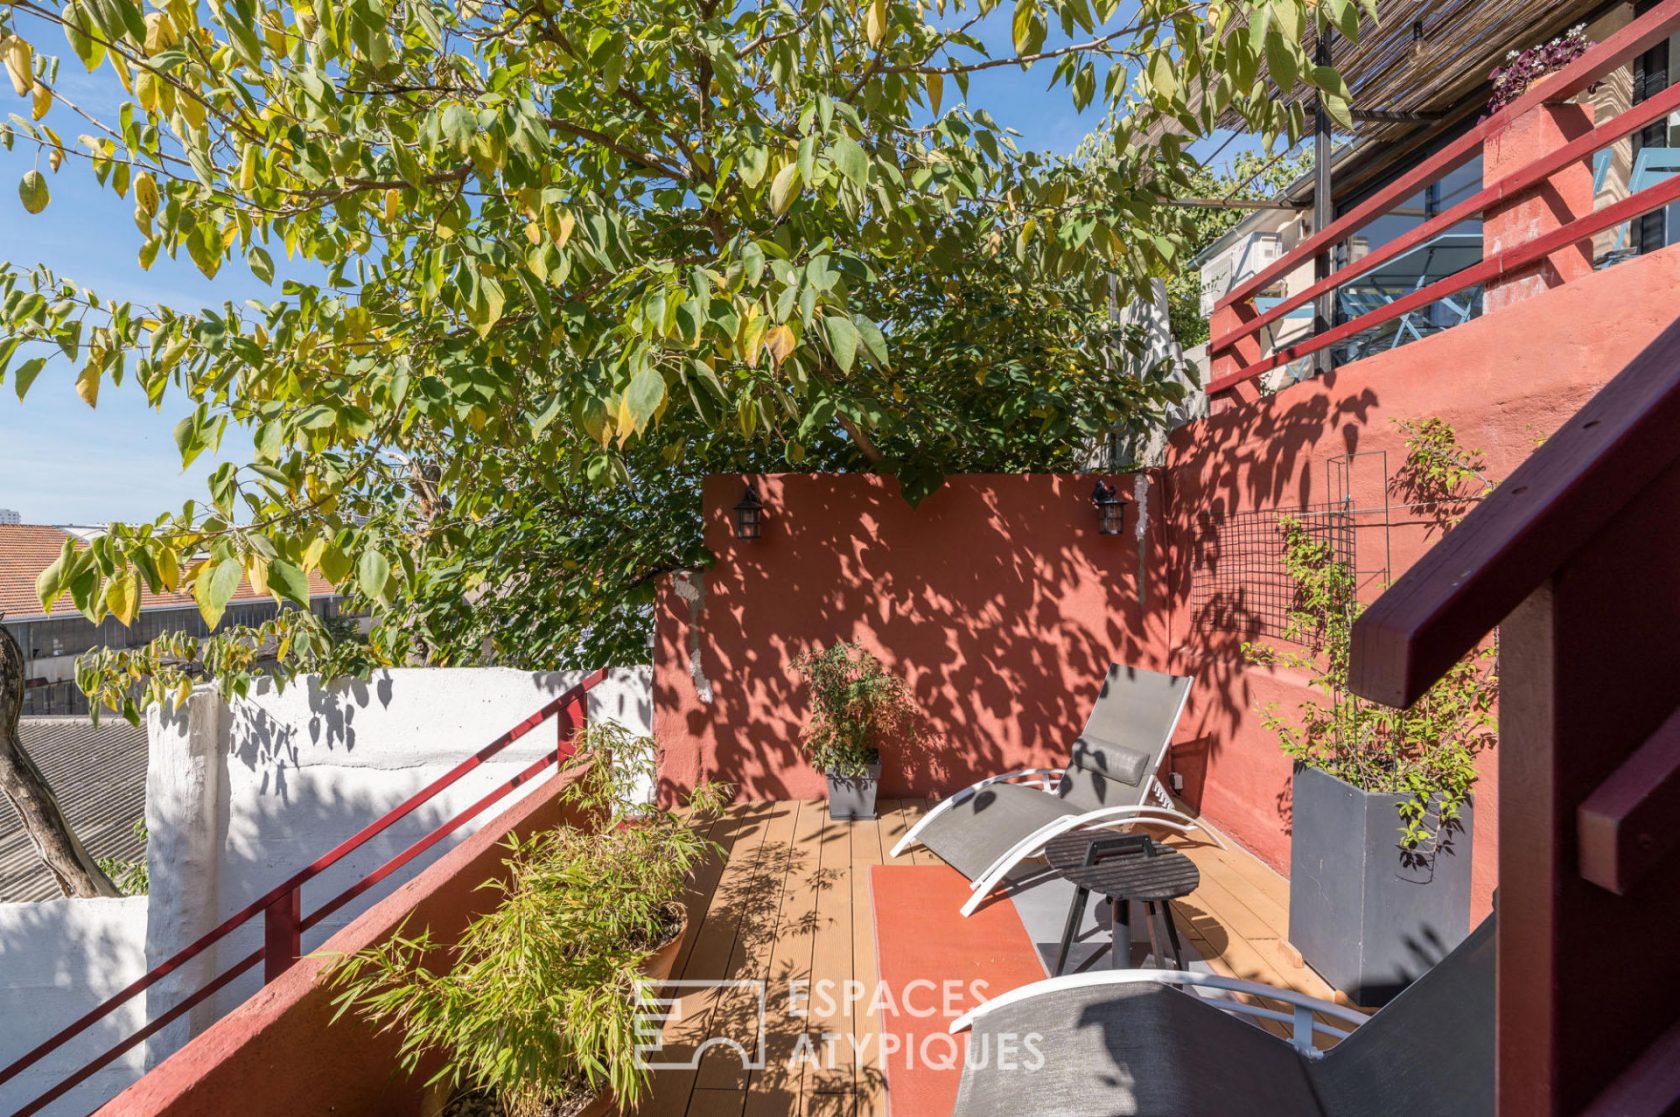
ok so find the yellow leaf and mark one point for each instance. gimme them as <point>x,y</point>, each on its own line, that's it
<point>875,23</point>
<point>780,341</point>
<point>935,91</point>
<point>312,554</point>
<point>42,99</point>
<point>393,204</point>
<point>19,57</point>
<point>248,168</point>
<point>256,572</point>
<point>169,569</point>
<point>87,381</point>
<point>122,597</point>
<point>625,420</point>
<point>145,90</point>
<point>146,193</point>
<point>533,232</point>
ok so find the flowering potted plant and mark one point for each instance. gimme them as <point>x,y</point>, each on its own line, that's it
<point>1523,68</point>
<point>856,707</point>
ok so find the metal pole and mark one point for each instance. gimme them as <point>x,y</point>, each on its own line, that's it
<point>1324,206</point>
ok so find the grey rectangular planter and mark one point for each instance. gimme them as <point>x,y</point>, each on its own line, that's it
<point>850,797</point>
<point>1367,920</point>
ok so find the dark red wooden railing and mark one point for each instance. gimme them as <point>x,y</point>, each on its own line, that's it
<point>281,906</point>
<point>1598,62</point>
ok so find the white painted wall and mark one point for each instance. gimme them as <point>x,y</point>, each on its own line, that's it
<point>58,959</point>
<point>241,795</point>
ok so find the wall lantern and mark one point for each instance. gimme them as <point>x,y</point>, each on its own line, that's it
<point>1111,508</point>
<point>749,515</point>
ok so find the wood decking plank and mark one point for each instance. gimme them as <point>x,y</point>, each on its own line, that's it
<point>867,848</point>
<point>792,897</point>
<point>759,892</point>
<point>831,966</point>
<point>776,1088</point>
<point>707,956</point>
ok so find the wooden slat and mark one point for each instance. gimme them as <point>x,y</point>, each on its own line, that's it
<point>757,901</point>
<point>1524,530</point>
<point>831,965</point>
<point>776,1089</point>
<point>708,958</point>
<point>815,875</point>
<point>868,848</point>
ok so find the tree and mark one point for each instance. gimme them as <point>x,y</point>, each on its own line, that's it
<point>31,796</point>
<point>559,248</point>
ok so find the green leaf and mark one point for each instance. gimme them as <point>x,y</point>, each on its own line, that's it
<point>1028,27</point>
<point>784,189</point>
<point>1280,60</point>
<point>33,191</point>
<point>842,341</point>
<point>850,159</point>
<point>213,589</point>
<point>645,394</point>
<point>26,374</point>
<point>373,573</point>
<point>261,264</point>
<point>288,582</point>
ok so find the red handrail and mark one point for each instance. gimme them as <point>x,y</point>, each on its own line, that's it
<point>1527,178</point>
<point>1599,60</point>
<point>280,903</point>
<point>1492,267</point>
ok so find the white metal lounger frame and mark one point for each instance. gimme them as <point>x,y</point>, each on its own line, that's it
<point>1161,813</point>
<point>1300,1017</point>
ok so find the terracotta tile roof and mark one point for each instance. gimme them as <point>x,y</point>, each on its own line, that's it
<point>99,777</point>
<point>28,549</point>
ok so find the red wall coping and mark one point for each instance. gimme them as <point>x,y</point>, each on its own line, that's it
<point>280,1054</point>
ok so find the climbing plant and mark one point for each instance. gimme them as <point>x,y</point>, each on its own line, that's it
<point>1427,752</point>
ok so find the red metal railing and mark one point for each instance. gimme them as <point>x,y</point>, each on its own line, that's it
<point>281,906</point>
<point>1598,62</point>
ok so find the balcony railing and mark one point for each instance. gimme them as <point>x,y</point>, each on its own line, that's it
<point>281,906</point>
<point>1238,322</point>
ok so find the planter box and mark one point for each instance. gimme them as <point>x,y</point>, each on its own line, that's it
<point>1367,920</point>
<point>853,798</point>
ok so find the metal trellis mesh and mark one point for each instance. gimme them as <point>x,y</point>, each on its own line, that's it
<point>1239,582</point>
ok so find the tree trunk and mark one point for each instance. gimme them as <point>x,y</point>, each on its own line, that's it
<point>32,797</point>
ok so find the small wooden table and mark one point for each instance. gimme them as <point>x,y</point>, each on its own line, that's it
<point>1122,867</point>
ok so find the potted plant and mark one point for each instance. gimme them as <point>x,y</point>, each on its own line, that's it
<point>1381,823</point>
<point>535,1014</point>
<point>856,706</point>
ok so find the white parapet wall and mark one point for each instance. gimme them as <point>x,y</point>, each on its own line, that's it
<point>242,795</point>
<point>58,959</point>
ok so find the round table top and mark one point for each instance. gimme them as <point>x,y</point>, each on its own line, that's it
<point>1166,876</point>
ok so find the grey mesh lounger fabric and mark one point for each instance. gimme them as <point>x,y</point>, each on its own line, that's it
<point>1153,1051</point>
<point>1111,764</point>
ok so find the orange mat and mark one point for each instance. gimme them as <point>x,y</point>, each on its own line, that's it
<point>936,965</point>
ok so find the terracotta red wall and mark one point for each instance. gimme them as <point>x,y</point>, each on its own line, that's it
<point>997,600</point>
<point>1000,603</point>
<point>279,1054</point>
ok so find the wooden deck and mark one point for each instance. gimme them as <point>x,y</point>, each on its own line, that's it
<point>790,900</point>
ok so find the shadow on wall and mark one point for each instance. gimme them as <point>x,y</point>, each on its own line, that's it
<point>243,795</point>
<point>1040,596</point>
<point>58,959</point>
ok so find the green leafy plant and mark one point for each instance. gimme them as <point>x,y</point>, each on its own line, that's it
<point>130,874</point>
<point>1441,478</point>
<point>1426,753</point>
<point>519,256</point>
<point>856,707</point>
<point>538,1003</point>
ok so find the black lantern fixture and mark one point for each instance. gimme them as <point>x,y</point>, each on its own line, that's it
<point>749,515</point>
<point>1111,508</point>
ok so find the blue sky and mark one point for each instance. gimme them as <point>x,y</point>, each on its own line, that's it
<point>61,462</point>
